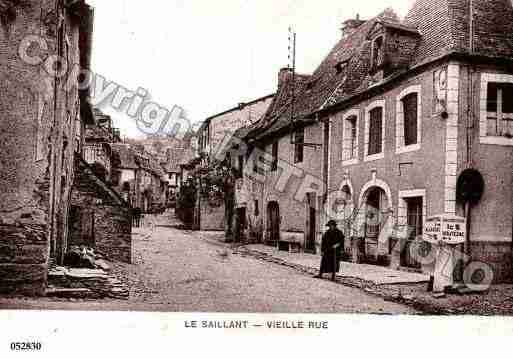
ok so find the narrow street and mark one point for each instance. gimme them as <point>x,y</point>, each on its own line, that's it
<point>176,270</point>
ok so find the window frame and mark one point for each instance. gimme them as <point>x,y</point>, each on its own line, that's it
<point>401,147</point>
<point>402,210</point>
<point>348,156</point>
<point>274,154</point>
<point>368,109</point>
<point>375,63</point>
<point>299,149</point>
<point>487,78</point>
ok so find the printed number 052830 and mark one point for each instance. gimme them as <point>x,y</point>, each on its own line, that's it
<point>26,346</point>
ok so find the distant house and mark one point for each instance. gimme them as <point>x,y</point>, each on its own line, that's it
<point>210,136</point>
<point>99,217</point>
<point>127,169</point>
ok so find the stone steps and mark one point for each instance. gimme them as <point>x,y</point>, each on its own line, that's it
<point>77,281</point>
<point>79,293</point>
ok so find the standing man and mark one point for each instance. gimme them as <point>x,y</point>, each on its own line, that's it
<point>331,249</point>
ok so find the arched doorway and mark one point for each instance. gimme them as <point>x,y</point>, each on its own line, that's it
<point>273,222</point>
<point>376,206</point>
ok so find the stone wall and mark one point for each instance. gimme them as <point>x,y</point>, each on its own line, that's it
<point>211,218</point>
<point>101,219</point>
<point>37,132</point>
<point>498,255</point>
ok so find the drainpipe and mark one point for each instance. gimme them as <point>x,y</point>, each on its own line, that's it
<point>470,126</point>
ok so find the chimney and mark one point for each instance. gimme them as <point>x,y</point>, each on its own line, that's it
<point>284,75</point>
<point>351,25</point>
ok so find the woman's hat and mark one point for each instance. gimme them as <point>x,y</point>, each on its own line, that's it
<point>331,223</point>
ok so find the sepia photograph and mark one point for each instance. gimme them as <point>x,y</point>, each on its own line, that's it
<point>236,157</point>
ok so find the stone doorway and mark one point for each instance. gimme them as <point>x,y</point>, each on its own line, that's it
<point>376,208</point>
<point>311,224</point>
<point>273,222</point>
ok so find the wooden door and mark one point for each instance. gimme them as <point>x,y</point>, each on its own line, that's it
<point>415,225</point>
<point>274,222</point>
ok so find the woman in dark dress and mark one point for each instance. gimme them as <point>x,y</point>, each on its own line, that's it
<point>331,248</point>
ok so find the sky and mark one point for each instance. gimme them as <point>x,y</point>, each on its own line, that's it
<point>207,56</point>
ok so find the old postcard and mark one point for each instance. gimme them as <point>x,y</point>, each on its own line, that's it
<point>303,159</point>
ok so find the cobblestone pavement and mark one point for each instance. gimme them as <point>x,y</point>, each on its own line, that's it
<point>177,270</point>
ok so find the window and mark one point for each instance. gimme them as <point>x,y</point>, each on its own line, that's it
<point>299,140</point>
<point>341,66</point>
<point>274,164</point>
<point>499,108</point>
<point>409,119</point>
<point>240,166</point>
<point>377,53</point>
<point>257,210</point>
<point>410,107</point>
<point>375,131</point>
<point>350,137</point>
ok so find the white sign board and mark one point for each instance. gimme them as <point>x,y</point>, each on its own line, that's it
<point>433,229</point>
<point>454,230</point>
<point>448,229</point>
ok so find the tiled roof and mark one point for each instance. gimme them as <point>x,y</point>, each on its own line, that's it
<point>96,132</point>
<point>433,28</point>
<point>326,83</point>
<point>278,113</point>
<point>445,27</point>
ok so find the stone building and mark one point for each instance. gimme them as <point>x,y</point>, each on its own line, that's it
<point>97,151</point>
<point>40,131</point>
<point>126,167</point>
<point>140,179</point>
<point>210,135</point>
<point>277,168</point>
<point>402,108</point>
<point>99,217</point>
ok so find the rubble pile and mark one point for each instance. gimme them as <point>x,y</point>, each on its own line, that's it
<point>85,275</point>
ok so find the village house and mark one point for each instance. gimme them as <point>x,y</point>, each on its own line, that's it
<point>404,108</point>
<point>127,169</point>
<point>40,131</point>
<point>98,141</point>
<point>140,179</point>
<point>172,169</point>
<point>275,165</point>
<point>99,217</point>
<point>210,135</point>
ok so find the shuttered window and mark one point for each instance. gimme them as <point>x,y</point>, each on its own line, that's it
<point>274,165</point>
<point>410,108</point>
<point>299,139</point>
<point>376,131</point>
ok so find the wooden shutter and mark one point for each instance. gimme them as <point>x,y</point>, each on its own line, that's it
<point>410,108</point>
<point>375,131</point>
<point>298,147</point>
<point>275,157</point>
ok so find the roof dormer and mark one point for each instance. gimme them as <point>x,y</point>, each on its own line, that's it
<point>392,46</point>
